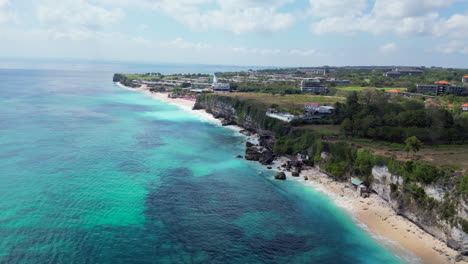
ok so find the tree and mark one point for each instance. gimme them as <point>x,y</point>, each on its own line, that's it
<point>412,144</point>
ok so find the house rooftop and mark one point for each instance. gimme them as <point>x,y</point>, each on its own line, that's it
<point>395,91</point>
<point>313,104</point>
<point>356,181</point>
<point>442,82</point>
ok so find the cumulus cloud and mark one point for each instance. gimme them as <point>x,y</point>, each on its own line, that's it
<point>401,17</point>
<point>76,14</point>
<point>235,16</point>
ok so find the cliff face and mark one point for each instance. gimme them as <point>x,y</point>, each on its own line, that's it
<point>224,110</point>
<point>388,186</point>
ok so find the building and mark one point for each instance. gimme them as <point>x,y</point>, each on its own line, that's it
<point>317,108</point>
<point>313,85</point>
<point>315,71</point>
<point>396,92</point>
<point>465,107</point>
<point>440,88</point>
<point>396,73</point>
<point>312,107</point>
<point>465,79</point>
<point>339,82</point>
<point>221,87</point>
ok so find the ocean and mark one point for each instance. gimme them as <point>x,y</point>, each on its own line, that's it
<point>94,173</point>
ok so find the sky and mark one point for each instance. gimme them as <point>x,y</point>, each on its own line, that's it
<point>239,32</point>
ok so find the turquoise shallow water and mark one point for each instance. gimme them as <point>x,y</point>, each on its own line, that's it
<point>93,173</point>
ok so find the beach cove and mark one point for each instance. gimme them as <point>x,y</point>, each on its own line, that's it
<point>372,214</point>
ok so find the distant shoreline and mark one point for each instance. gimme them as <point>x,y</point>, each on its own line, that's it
<point>372,214</point>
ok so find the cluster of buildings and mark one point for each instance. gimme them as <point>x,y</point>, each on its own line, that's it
<point>430,102</point>
<point>442,88</point>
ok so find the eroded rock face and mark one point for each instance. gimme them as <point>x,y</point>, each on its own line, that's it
<point>452,235</point>
<point>280,176</point>
<point>267,139</point>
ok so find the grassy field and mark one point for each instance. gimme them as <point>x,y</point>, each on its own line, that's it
<point>454,156</point>
<point>359,88</point>
<point>286,101</point>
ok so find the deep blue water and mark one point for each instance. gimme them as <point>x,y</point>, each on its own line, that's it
<point>93,173</point>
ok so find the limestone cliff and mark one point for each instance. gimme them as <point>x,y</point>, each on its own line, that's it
<point>390,187</point>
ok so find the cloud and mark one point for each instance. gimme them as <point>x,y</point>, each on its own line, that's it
<point>400,17</point>
<point>389,48</point>
<point>6,15</point>
<point>330,8</point>
<point>234,16</point>
<point>76,14</point>
<point>453,47</point>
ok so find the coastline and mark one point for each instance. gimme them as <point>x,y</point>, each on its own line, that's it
<point>372,214</point>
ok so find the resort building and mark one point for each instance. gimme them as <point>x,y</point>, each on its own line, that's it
<point>314,85</point>
<point>440,88</point>
<point>465,79</point>
<point>317,108</point>
<point>221,87</point>
<point>465,107</point>
<point>395,73</point>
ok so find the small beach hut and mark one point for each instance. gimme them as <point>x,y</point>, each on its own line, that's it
<point>355,182</point>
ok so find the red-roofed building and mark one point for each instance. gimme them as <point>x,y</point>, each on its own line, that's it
<point>436,105</point>
<point>465,79</point>
<point>464,107</point>
<point>312,107</point>
<point>429,100</point>
<point>395,91</point>
<point>440,88</point>
<point>450,105</point>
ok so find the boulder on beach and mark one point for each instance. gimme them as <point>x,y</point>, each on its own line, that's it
<point>280,176</point>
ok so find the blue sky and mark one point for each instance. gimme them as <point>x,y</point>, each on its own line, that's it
<point>239,32</point>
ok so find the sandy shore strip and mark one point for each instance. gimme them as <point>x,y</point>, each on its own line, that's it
<point>373,214</point>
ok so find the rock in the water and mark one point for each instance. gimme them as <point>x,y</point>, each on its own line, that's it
<point>306,178</point>
<point>252,153</point>
<point>239,156</point>
<point>295,171</point>
<point>248,144</point>
<point>269,167</point>
<point>266,157</point>
<point>280,176</point>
